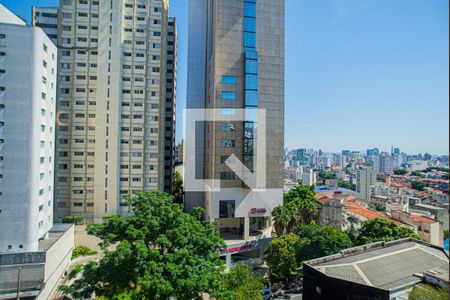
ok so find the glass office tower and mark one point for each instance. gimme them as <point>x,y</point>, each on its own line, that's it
<point>235,62</point>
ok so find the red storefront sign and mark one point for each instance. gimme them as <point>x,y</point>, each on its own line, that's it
<point>258,211</point>
<point>247,246</point>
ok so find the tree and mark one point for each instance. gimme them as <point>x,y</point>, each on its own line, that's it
<point>418,185</point>
<point>400,171</point>
<point>82,251</point>
<point>417,173</point>
<point>315,241</point>
<point>178,191</point>
<point>347,185</point>
<point>425,291</point>
<point>376,230</point>
<point>299,207</point>
<point>73,220</point>
<point>241,284</point>
<point>327,175</point>
<point>282,260</point>
<point>380,207</point>
<point>160,252</point>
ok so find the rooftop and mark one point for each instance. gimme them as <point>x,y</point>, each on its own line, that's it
<point>383,265</point>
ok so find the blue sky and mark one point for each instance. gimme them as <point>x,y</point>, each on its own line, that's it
<point>359,73</point>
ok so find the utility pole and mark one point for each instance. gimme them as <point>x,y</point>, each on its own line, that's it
<point>18,282</point>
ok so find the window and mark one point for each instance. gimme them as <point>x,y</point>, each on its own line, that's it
<point>250,24</point>
<point>250,9</point>
<point>229,79</point>
<point>227,176</point>
<point>251,67</point>
<point>249,39</point>
<point>228,95</point>
<point>251,98</point>
<point>227,208</point>
<point>227,143</point>
<point>228,127</point>
<point>251,82</point>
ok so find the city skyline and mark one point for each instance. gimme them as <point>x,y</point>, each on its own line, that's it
<point>352,50</point>
<point>363,151</point>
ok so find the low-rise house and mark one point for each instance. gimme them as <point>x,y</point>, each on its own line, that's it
<point>344,211</point>
<point>428,229</point>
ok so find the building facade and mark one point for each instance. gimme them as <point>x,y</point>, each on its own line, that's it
<point>116,104</point>
<point>365,179</point>
<point>171,105</point>
<point>28,67</point>
<point>236,62</point>
<point>47,19</point>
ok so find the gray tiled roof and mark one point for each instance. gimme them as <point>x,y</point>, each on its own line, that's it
<point>386,267</point>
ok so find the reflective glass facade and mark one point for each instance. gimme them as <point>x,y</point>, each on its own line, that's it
<point>251,81</point>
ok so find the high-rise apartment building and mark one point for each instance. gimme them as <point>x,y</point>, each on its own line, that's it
<point>171,101</point>
<point>47,19</point>
<point>28,66</point>
<point>366,177</point>
<point>115,104</point>
<point>386,163</point>
<point>236,61</point>
<point>309,177</point>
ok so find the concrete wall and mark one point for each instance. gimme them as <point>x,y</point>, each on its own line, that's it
<point>57,259</point>
<point>27,151</point>
<point>6,16</point>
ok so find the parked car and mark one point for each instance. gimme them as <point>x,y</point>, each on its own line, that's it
<point>267,294</point>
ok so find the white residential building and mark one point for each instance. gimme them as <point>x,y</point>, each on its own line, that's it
<point>28,66</point>
<point>309,177</point>
<point>365,179</point>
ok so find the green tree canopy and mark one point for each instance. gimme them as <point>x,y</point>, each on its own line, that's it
<point>178,191</point>
<point>241,284</point>
<point>418,185</point>
<point>299,207</point>
<point>327,175</point>
<point>375,230</point>
<point>417,173</point>
<point>315,241</point>
<point>160,252</point>
<point>282,260</point>
<point>400,171</point>
<point>73,220</point>
<point>347,185</point>
<point>428,292</point>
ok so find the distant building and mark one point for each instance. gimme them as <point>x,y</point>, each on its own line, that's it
<point>309,177</point>
<point>373,152</point>
<point>386,165</point>
<point>365,179</point>
<point>383,271</point>
<point>428,229</point>
<point>440,213</point>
